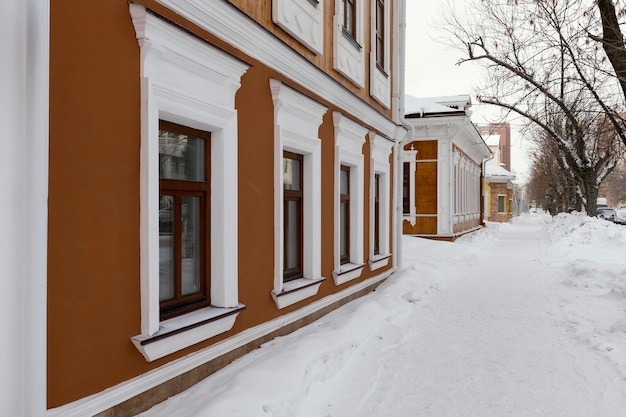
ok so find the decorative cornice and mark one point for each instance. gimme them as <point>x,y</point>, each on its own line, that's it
<point>219,19</point>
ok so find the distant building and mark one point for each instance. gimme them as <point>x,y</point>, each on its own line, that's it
<point>442,173</point>
<point>499,189</point>
<point>503,131</point>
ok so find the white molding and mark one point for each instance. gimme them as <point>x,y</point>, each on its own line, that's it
<point>187,81</point>
<point>348,58</point>
<point>201,325</point>
<point>24,115</point>
<point>110,397</point>
<point>410,157</point>
<point>222,20</point>
<point>347,272</point>
<point>378,261</point>
<point>380,82</point>
<point>349,141</point>
<point>295,291</point>
<point>302,20</point>
<point>297,119</point>
<point>380,150</point>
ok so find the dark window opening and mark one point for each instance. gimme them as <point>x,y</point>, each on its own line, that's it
<point>184,255</point>
<point>344,215</point>
<point>376,214</point>
<point>292,216</point>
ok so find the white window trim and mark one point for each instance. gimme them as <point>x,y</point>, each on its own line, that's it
<point>349,140</point>
<point>297,119</point>
<point>380,82</point>
<point>380,150</point>
<point>186,81</point>
<point>410,157</point>
<point>302,20</point>
<point>349,59</point>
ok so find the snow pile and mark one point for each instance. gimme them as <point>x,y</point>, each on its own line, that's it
<point>521,319</point>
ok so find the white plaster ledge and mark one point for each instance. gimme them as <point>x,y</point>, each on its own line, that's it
<point>180,332</point>
<point>347,272</point>
<point>379,261</point>
<point>296,290</point>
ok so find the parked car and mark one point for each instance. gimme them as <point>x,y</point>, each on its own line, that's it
<point>606,213</point>
<point>620,215</point>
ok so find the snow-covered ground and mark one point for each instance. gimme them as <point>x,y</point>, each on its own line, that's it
<point>520,319</point>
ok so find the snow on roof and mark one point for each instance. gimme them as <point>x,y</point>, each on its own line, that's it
<point>435,105</point>
<point>492,140</point>
<point>493,169</point>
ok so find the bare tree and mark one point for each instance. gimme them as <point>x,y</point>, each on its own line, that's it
<point>612,40</point>
<point>542,64</point>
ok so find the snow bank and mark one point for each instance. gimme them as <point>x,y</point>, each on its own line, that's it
<point>405,348</point>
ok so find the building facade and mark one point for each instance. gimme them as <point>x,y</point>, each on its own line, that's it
<point>216,174</point>
<point>443,169</point>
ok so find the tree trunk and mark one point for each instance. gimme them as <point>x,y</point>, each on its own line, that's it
<point>590,190</point>
<point>612,41</point>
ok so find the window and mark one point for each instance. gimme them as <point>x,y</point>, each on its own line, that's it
<point>380,192</point>
<point>188,164</point>
<point>380,33</point>
<point>297,195</point>
<point>377,214</point>
<point>380,62</point>
<point>349,17</point>
<point>406,169</point>
<point>183,219</point>
<point>292,224</point>
<point>501,207</point>
<point>349,199</point>
<point>348,38</point>
<point>344,210</point>
<point>409,167</point>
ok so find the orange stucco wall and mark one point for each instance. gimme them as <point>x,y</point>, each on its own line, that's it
<point>93,262</point>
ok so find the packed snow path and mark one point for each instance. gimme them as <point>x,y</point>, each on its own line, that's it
<point>521,319</point>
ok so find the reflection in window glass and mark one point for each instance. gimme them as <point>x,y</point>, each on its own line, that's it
<point>291,174</point>
<point>166,248</point>
<point>293,238</point>
<point>190,268</point>
<point>181,157</point>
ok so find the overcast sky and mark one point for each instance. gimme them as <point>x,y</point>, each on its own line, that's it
<point>431,71</point>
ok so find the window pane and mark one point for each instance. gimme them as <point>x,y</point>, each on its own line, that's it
<point>190,241</point>
<point>344,180</point>
<point>343,230</point>
<point>291,174</point>
<point>293,234</point>
<point>166,247</point>
<point>181,157</point>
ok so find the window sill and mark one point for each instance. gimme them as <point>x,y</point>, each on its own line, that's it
<point>296,290</point>
<point>347,272</point>
<point>382,70</point>
<point>379,261</point>
<point>347,36</point>
<point>180,332</point>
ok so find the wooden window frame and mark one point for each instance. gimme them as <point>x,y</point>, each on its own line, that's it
<point>344,199</point>
<point>181,304</point>
<point>376,214</point>
<point>380,34</point>
<point>349,11</point>
<point>293,195</point>
<point>406,188</point>
<point>502,198</point>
